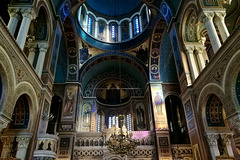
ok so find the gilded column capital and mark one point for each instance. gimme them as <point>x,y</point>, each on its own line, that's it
<point>43,47</point>
<point>212,138</point>
<point>23,142</point>
<point>28,12</point>
<point>220,16</point>
<point>14,12</point>
<point>206,16</point>
<point>226,137</point>
<point>189,49</point>
<point>7,141</point>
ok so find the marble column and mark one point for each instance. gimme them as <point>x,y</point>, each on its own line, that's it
<point>130,30</point>
<point>199,54</point>
<point>14,18</point>
<point>7,146</point>
<point>207,19</point>
<point>192,62</point>
<point>32,52</point>
<point>41,58</point>
<point>22,147</point>
<point>227,140</point>
<point>28,15</point>
<point>213,144</point>
<point>96,29</point>
<point>108,33</point>
<point>119,33</point>
<point>147,12</point>
<point>140,24</point>
<point>219,20</point>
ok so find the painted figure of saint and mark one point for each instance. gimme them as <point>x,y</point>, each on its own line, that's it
<point>86,117</point>
<point>140,117</point>
<point>158,103</point>
<point>68,108</point>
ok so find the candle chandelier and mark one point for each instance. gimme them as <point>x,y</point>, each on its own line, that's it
<point>121,141</point>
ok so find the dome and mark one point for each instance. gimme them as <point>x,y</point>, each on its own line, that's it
<point>114,7</point>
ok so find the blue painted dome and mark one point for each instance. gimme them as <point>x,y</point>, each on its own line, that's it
<point>114,7</point>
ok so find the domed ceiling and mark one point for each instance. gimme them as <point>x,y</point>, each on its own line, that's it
<point>114,7</point>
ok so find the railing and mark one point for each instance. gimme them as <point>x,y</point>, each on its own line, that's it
<point>92,144</point>
<point>182,151</point>
<point>46,146</point>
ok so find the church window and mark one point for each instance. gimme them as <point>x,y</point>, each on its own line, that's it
<point>237,88</point>
<point>136,26</point>
<point>129,127</point>
<point>214,112</point>
<point>113,121</point>
<point>20,115</point>
<point>90,23</point>
<point>98,122</point>
<point>113,32</point>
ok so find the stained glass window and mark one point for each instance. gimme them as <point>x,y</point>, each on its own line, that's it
<point>89,25</point>
<point>136,26</point>
<point>214,111</point>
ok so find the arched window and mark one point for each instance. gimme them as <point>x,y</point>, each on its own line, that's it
<point>20,117</point>
<point>136,26</point>
<point>113,121</point>
<point>114,31</point>
<point>98,122</point>
<point>1,88</point>
<point>125,30</point>
<point>90,25</point>
<point>144,18</point>
<point>237,88</point>
<point>214,112</point>
<point>129,126</point>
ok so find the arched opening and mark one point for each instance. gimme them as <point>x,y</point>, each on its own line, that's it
<point>56,111</point>
<point>102,30</point>
<point>125,30</point>
<point>214,112</point>
<point>136,26</point>
<point>237,88</point>
<point>114,32</point>
<point>20,116</point>
<point>1,88</point>
<point>176,120</point>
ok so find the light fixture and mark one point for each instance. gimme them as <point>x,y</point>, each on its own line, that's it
<point>121,141</point>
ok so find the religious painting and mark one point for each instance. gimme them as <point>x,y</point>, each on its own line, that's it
<point>140,115</point>
<point>70,98</point>
<point>159,107</point>
<point>188,110</point>
<point>86,117</point>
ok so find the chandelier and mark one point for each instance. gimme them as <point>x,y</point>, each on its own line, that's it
<point>121,143</point>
